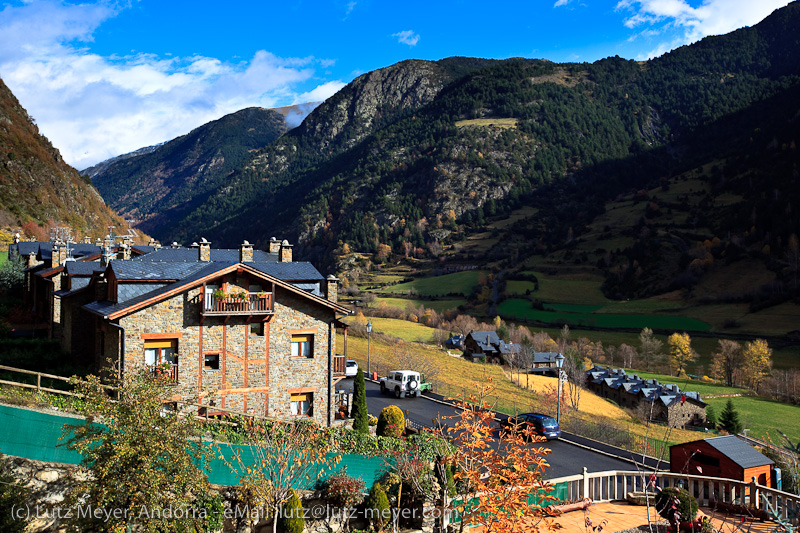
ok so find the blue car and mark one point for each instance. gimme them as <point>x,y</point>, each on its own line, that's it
<point>543,425</point>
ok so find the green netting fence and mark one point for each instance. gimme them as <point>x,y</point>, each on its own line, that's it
<point>560,492</point>
<point>36,435</point>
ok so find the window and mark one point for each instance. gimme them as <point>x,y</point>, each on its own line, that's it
<point>302,345</point>
<point>160,351</point>
<point>257,328</point>
<point>302,404</point>
<point>211,361</point>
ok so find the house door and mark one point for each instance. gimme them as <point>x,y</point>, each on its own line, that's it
<point>208,297</point>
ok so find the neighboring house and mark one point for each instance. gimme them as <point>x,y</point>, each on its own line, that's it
<point>727,457</point>
<point>455,341</point>
<point>241,330</point>
<point>667,402</point>
<point>488,344</point>
<point>544,363</point>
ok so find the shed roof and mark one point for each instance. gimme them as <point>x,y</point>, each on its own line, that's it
<point>738,451</point>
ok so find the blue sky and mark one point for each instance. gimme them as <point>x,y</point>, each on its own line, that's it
<point>107,77</point>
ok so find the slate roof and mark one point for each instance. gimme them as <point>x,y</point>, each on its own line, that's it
<point>649,390</point>
<point>485,339</point>
<point>738,451</point>
<point>83,268</point>
<point>544,357</point>
<point>133,269</point>
<point>188,255</point>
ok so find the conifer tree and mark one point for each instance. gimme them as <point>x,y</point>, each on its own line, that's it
<point>729,419</point>
<point>359,410</point>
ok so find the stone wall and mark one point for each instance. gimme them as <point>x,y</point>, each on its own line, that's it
<point>256,372</point>
<point>50,483</point>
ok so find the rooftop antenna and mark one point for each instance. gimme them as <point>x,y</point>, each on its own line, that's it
<point>64,235</point>
<point>111,232</point>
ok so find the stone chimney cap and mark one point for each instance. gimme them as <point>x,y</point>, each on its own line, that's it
<point>273,239</point>
<point>194,245</point>
<point>333,278</point>
<point>204,241</point>
<point>246,243</point>
<point>285,242</point>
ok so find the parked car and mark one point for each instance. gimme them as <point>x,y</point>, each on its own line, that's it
<point>351,368</point>
<point>543,425</point>
<point>404,383</point>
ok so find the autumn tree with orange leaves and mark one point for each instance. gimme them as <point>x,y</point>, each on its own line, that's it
<point>495,475</point>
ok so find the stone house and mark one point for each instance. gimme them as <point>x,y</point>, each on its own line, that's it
<point>665,403</point>
<point>236,329</point>
<point>488,344</point>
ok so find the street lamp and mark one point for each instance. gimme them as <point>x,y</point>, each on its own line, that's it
<point>559,364</point>
<point>369,349</point>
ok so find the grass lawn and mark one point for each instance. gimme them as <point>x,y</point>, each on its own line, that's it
<point>3,258</point>
<point>520,287</point>
<point>436,305</point>
<point>569,291</point>
<point>402,329</point>
<point>457,283</point>
<point>521,309</point>
<point>763,417</point>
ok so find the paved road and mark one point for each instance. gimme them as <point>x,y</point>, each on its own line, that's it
<point>566,458</point>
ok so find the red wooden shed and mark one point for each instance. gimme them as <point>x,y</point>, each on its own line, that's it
<point>728,457</point>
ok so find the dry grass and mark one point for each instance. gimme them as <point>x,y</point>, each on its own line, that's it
<point>505,123</point>
<point>458,376</point>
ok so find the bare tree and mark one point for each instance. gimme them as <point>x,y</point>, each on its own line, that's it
<point>406,357</point>
<point>464,324</point>
<point>526,358</point>
<point>727,359</point>
<point>650,347</point>
<point>542,342</point>
<point>576,376</point>
<point>628,354</point>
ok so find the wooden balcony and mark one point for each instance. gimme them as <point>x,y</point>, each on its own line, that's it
<point>339,365</point>
<point>253,304</point>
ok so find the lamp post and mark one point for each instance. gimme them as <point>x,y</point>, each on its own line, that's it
<point>559,364</point>
<point>369,349</point>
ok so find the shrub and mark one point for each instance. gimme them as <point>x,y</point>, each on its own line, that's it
<point>359,411</point>
<point>344,491</point>
<point>291,518</point>
<point>391,422</point>
<point>687,505</point>
<point>373,420</point>
<point>377,507</point>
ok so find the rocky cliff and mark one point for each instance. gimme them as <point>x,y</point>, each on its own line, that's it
<point>37,188</point>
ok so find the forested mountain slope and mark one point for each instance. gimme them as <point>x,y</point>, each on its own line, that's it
<point>37,189</point>
<point>163,183</point>
<point>411,159</point>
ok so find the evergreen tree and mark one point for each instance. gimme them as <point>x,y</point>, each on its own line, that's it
<point>359,410</point>
<point>729,419</point>
<point>291,519</point>
<point>377,504</point>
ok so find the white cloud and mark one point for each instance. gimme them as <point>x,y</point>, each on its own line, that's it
<point>692,23</point>
<point>350,7</point>
<point>407,37</point>
<point>560,3</point>
<point>93,107</point>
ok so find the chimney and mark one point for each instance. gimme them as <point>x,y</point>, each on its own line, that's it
<point>59,256</point>
<point>174,245</point>
<point>274,245</point>
<point>16,238</point>
<point>246,252</point>
<point>152,242</point>
<point>87,240</point>
<point>126,251</point>
<point>286,252</point>
<point>157,245</point>
<point>32,260</point>
<point>332,288</point>
<point>205,250</point>
<point>108,254</point>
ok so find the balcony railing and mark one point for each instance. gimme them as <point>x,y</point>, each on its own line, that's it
<point>614,485</point>
<point>171,370</point>
<point>339,364</point>
<point>253,304</point>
